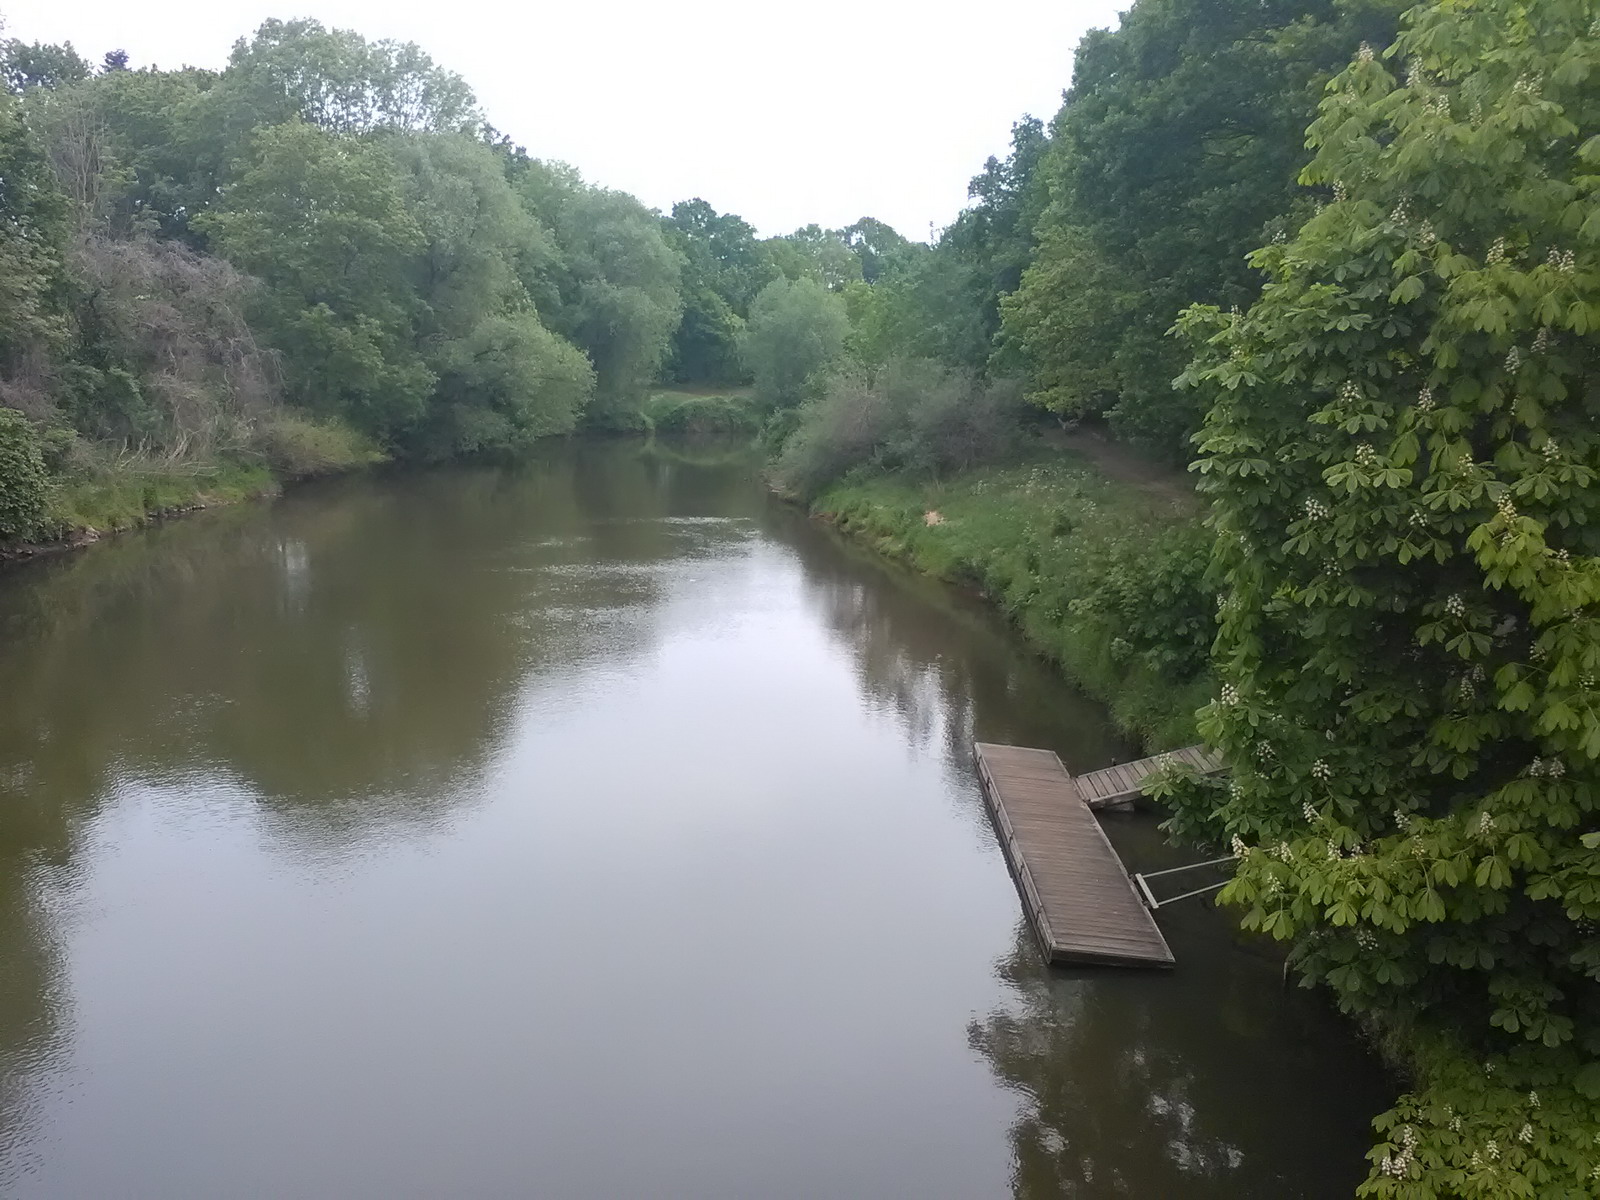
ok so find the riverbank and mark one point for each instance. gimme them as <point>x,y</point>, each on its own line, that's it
<point>85,509</point>
<point>1104,576</point>
<point>103,495</point>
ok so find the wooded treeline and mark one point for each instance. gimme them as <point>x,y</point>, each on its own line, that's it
<point>1177,151</point>
<point>1349,259</point>
<point>323,253</point>
<point>324,250</point>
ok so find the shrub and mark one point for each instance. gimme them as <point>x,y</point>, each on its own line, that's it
<point>24,482</point>
<point>702,416</point>
<point>1151,588</point>
<point>917,416</point>
<point>165,359</point>
<point>299,447</point>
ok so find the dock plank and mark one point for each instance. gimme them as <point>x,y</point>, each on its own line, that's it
<point>1119,784</point>
<point>1077,895</point>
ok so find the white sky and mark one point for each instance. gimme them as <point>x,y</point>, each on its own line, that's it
<point>824,111</point>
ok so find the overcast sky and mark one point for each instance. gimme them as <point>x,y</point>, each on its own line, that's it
<point>786,114</point>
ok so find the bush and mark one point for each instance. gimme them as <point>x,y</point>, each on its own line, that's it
<point>916,416</point>
<point>703,416</point>
<point>298,447</point>
<point>165,359</point>
<point>797,329</point>
<point>1149,591</point>
<point>24,482</point>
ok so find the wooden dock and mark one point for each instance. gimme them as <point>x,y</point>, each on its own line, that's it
<point>1118,785</point>
<point>1079,899</point>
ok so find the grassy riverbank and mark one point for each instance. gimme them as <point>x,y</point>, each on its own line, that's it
<point>118,499</point>
<point>1104,576</point>
<point>96,492</point>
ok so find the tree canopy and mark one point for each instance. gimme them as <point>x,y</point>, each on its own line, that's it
<point>797,329</point>
<point>1175,153</point>
<point>418,278</point>
<point>1401,453</point>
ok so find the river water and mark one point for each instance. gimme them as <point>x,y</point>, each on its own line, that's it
<point>590,829</point>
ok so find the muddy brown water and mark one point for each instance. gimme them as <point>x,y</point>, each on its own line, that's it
<point>592,828</point>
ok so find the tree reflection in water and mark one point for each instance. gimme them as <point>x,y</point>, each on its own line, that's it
<point>347,662</point>
<point>1131,1083</point>
<point>1135,1083</point>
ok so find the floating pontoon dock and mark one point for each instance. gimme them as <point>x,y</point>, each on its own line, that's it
<point>1079,899</point>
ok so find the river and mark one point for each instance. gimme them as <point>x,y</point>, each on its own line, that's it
<point>594,828</point>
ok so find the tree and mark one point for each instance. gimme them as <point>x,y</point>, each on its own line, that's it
<point>322,220</point>
<point>796,329</point>
<point>503,378</point>
<point>33,226</point>
<point>338,80</point>
<point>721,248</point>
<point>40,65</point>
<point>114,60</point>
<point>994,238</point>
<point>812,252</point>
<point>944,303</point>
<point>138,150</point>
<point>723,267</point>
<point>1074,323</point>
<point>877,247</point>
<point>1401,453</point>
<point>24,483</point>
<point>1177,146</point>
<point>613,288</point>
<point>705,346</point>
<point>926,307</point>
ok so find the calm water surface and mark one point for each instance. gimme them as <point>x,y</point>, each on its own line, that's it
<point>591,829</point>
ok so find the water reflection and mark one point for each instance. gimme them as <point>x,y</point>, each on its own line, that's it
<point>1122,1097</point>
<point>592,828</point>
<point>1131,1083</point>
<point>941,660</point>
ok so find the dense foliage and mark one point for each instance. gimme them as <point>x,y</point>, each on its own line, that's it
<point>1401,453</point>
<point>1174,155</point>
<point>321,249</point>
<point>163,357</point>
<point>724,267</point>
<point>23,479</point>
<point>32,245</point>
<point>797,329</point>
<point>915,416</point>
<point>612,286</point>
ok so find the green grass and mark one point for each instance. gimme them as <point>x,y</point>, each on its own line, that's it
<point>117,498</point>
<point>296,446</point>
<point>1103,577</point>
<point>107,494</point>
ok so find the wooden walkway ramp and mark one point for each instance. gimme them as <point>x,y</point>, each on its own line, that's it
<point>1078,897</point>
<point>1120,784</point>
